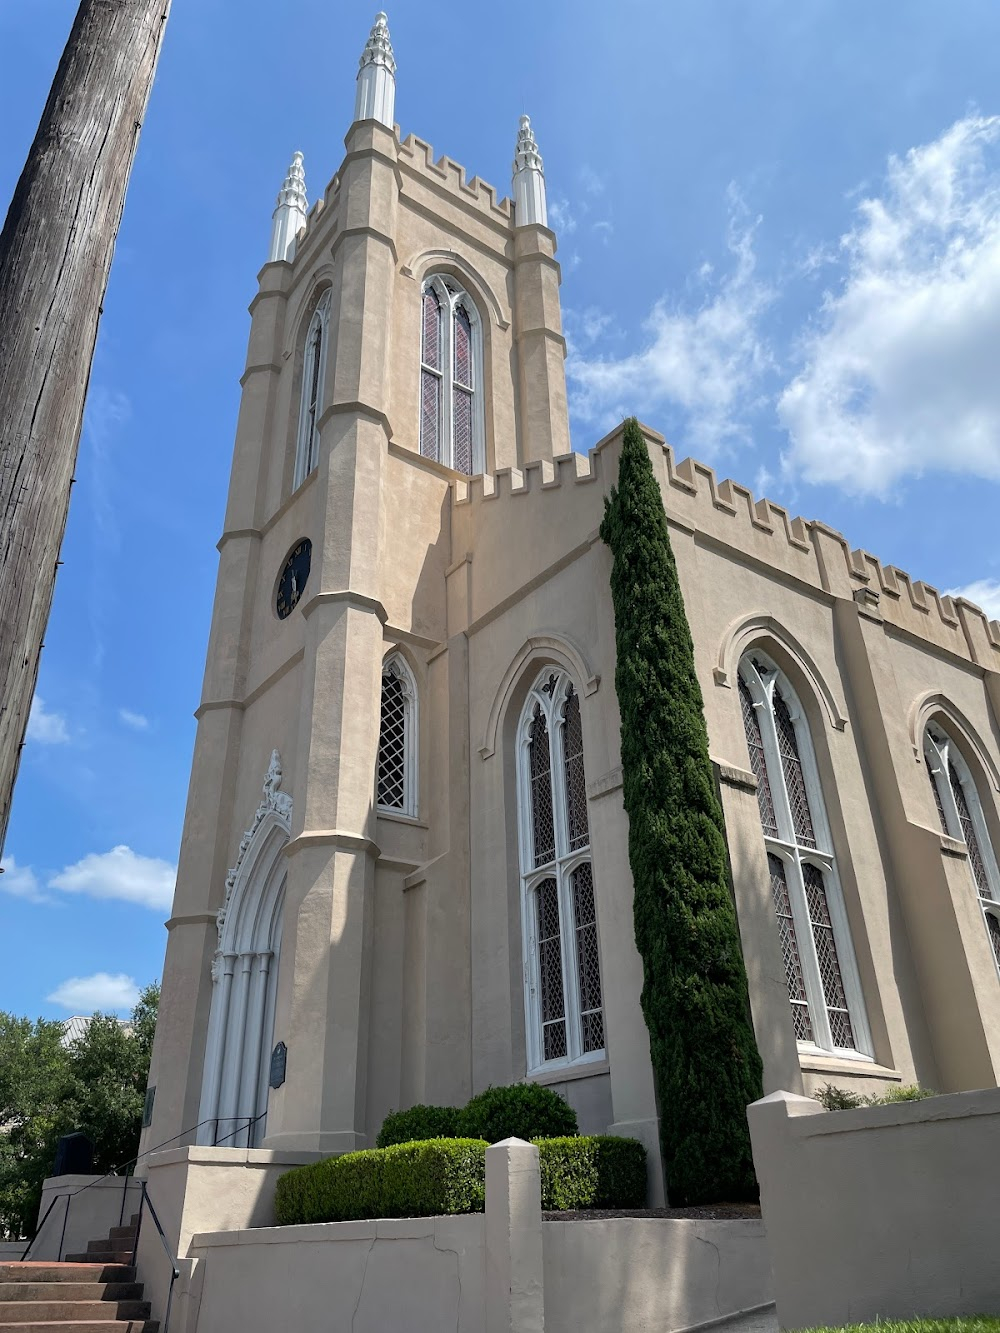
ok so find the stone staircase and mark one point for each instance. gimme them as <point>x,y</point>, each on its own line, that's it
<point>94,1292</point>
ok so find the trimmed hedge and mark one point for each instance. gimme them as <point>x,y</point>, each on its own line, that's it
<point>419,1122</point>
<point>598,1171</point>
<point>423,1179</point>
<point>432,1177</point>
<point>520,1111</point>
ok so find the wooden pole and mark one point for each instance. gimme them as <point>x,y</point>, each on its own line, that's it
<point>55,257</point>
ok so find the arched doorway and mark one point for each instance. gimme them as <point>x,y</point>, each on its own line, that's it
<point>245,977</point>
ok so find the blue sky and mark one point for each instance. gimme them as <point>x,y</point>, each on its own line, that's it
<point>779,225</point>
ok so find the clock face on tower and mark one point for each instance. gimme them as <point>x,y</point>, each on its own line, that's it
<point>293,577</point>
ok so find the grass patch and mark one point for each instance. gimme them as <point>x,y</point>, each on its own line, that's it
<point>977,1323</point>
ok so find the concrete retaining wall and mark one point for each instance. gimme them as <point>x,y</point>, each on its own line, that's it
<point>95,1206</point>
<point>890,1211</point>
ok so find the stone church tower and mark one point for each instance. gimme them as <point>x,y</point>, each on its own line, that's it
<point>404,872</point>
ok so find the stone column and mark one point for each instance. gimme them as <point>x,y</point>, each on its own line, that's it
<point>541,347</point>
<point>514,1271</point>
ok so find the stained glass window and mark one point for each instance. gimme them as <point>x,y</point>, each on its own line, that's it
<point>450,427</point>
<point>820,973</point>
<point>563,998</point>
<point>313,368</point>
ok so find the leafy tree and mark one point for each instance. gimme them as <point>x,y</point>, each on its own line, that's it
<point>97,1084</point>
<point>694,997</point>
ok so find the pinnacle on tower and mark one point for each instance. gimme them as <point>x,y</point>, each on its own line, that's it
<point>529,179</point>
<point>290,215</point>
<point>376,95</point>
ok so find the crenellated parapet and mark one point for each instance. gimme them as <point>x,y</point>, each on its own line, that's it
<point>416,157</point>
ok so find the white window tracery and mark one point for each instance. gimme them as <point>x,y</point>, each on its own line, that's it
<point>311,403</point>
<point>396,779</point>
<point>824,988</point>
<point>564,1014</point>
<point>451,361</point>
<point>961,816</point>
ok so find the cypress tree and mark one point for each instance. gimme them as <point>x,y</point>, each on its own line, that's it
<point>694,997</point>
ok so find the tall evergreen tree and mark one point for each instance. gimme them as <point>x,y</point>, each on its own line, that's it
<point>694,996</point>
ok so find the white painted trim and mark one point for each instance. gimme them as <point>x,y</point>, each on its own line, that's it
<point>307,438</point>
<point>396,665</point>
<point>746,632</point>
<point>794,855</point>
<point>559,647</point>
<point>451,296</point>
<point>923,710</point>
<point>560,869</point>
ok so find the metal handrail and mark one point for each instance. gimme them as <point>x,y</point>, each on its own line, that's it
<point>175,1272</point>
<point>132,1162</point>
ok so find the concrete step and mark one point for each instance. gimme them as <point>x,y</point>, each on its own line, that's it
<point>64,1312</point>
<point>40,1271</point>
<point>70,1291</point>
<point>85,1326</point>
<point>101,1257</point>
<point>123,1233</point>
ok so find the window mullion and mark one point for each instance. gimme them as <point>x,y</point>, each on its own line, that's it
<point>811,977</point>
<point>571,980</point>
<point>448,382</point>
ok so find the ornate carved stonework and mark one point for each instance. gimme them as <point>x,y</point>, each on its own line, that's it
<point>274,802</point>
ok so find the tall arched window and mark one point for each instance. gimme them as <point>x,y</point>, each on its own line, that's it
<point>563,1007</point>
<point>313,372</point>
<point>961,816</point>
<point>820,970</point>
<point>396,781</point>
<point>451,359</point>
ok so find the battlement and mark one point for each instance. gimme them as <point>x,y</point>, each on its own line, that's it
<point>726,513</point>
<point>418,156</point>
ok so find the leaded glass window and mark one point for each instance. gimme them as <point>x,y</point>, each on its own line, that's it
<point>313,374</point>
<point>960,813</point>
<point>396,777</point>
<point>563,998</point>
<point>451,424</point>
<point>821,975</point>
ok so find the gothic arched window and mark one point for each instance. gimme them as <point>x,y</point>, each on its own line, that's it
<point>564,1015</point>
<point>313,372</point>
<point>396,781</point>
<point>820,970</point>
<point>961,815</point>
<point>451,359</point>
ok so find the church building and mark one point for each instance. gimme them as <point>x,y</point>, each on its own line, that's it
<point>404,872</point>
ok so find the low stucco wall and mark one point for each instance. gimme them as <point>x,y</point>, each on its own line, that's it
<point>649,1274</point>
<point>890,1211</point>
<point>343,1277</point>
<point>11,1251</point>
<point>95,1207</point>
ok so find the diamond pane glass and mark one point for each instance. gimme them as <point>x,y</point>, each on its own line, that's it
<point>463,349</point>
<point>789,949</point>
<point>542,826</point>
<point>993,927</point>
<point>550,974</point>
<point>430,414</point>
<point>588,961</point>
<point>755,744</point>
<point>791,766</point>
<point>462,430</point>
<point>931,765</point>
<point>312,410</point>
<point>576,779</point>
<point>430,352</point>
<point>969,834</point>
<point>392,745</point>
<point>826,957</point>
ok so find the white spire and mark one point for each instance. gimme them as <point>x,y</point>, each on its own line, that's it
<point>376,96</point>
<point>529,179</point>
<point>290,215</point>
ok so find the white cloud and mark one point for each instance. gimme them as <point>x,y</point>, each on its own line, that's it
<point>120,873</point>
<point>134,720</point>
<point>900,373</point>
<point>706,359</point>
<point>561,217</point>
<point>102,991</point>
<point>44,727</point>
<point>20,881</point>
<point>984,592</point>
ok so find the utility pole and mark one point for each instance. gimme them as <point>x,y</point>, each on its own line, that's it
<point>55,256</point>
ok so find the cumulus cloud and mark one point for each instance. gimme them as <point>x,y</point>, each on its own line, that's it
<point>44,727</point>
<point>705,359</point>
<point>122,874</point>
<point>134,720</point>
<point>899,372</point>
<point>20,881</point>
<point>984,592</point>
<point>104,991</point>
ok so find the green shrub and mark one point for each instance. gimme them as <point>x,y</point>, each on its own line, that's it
<point>838,1099</point>
<point>598,1171</point>
<point>419,1122</point>
<point>694,995</point>
<point>842,1099</point>
<point>423,1179</point>
<point>521,1111</point>
<point>910,1092</point>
